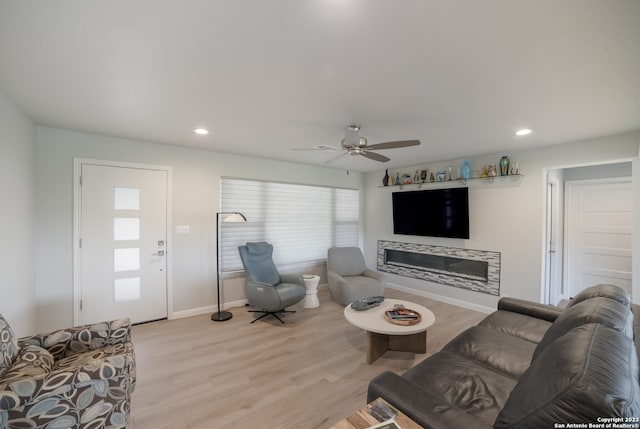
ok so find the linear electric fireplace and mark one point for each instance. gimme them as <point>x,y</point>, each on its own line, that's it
<point>477,270</point>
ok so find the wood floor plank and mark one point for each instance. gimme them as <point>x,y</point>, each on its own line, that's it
<point>308,373</point>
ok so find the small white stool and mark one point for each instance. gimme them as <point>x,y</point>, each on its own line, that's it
<point>311,283</point>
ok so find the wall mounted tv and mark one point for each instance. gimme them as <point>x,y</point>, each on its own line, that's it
<point>433,213</point>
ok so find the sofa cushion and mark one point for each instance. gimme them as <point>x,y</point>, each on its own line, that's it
<point>495,349</point>
<point>465,383</point>
<point>605,311</point>
<point>562,386</point>
<point>519,325</point>
<point>33,361</point>
<point>602,290</point>
<point>104,363</point>
<point>8,346</point>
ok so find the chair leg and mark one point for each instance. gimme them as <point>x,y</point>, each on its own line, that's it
<point>272,313</point>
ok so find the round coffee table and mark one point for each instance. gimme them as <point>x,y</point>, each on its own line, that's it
<point>383,335</point>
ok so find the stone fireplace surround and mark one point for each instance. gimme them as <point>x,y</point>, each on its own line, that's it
<point>476,270</point>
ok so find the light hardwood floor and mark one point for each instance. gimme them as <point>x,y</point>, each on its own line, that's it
<point>308,373</point>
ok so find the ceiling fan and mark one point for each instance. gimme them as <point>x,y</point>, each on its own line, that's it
<point>354,144</point>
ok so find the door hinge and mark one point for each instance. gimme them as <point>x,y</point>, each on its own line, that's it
<point>80,180</point>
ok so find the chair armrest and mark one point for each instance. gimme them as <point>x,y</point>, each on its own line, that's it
<point>69,374</point>
<point>262,295</point>
<point>79,339</point>
<point>374,274</point>
<point>292,278</point>
<point>255,284</point>
<point>332,276</point>
<point>425,408</point>
<point>530,308</point>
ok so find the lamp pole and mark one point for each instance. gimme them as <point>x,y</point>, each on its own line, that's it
<point>221,316</point>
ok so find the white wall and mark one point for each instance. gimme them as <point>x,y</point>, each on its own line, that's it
<point>196,185</point>
<point>17,218</point>
<point>507,217</point>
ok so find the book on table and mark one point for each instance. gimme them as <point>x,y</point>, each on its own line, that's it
<point>389,424</point>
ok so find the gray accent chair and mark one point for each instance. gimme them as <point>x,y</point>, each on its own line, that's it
<point>265,288</point>
<point>349,278</point>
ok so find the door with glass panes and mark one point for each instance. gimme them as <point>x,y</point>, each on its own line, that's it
<point>123,243</point>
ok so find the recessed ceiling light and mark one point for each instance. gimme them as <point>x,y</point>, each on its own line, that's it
<point>201,131</point>
<point>524,132</point>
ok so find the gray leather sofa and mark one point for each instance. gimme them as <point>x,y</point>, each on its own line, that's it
<point>529,365</point>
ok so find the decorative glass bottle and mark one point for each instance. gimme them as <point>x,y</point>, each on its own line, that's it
<point>504,166</point>
<point>465,170</point>
<point>385,179</point>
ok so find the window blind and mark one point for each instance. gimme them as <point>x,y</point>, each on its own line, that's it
<point>301,221</point>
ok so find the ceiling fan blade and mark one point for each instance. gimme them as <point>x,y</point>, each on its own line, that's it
<point>319,147</point>
<point>374,156</point>
<point>334,158</point>
<point>393,145</point>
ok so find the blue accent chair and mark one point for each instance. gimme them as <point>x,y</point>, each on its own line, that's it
<point>265,288</point>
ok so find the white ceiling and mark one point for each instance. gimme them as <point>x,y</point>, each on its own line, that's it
<point>267,76</point>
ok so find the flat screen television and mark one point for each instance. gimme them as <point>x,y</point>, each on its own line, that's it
<point>433,213</point>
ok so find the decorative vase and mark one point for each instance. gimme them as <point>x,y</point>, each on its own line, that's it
<point>492,171</point>
<point>423,176</point>
<point>416,177</point>
<point>397,180</point>
<point>385,179</point>
<point>465,170</point>
<point>515,167</point>
<point>431,178</point>
<point>450,172</point>
<point>504,166</point>
<point>441,176</point>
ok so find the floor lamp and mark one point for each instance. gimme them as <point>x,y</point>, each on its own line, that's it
<point>221,316</point>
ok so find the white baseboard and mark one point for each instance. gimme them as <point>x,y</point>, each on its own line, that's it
<point>445,299</point>
<point>213,308</point>
<point>204,310</point>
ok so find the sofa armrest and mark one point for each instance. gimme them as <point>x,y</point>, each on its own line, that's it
<point>80,339</point>
<point>530,308</point>
<point>422,406</point>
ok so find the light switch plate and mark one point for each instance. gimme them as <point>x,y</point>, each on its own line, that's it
<point>183,229</point>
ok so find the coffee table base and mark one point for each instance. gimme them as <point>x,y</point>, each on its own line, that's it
<point>378,344</point>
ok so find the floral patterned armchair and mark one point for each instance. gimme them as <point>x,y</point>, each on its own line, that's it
<point>80,377</point>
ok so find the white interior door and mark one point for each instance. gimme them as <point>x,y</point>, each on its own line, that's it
<point>598,242</point>
<point>123,243</point>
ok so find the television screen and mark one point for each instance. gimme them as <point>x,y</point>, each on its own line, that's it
<point>433,213</point>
